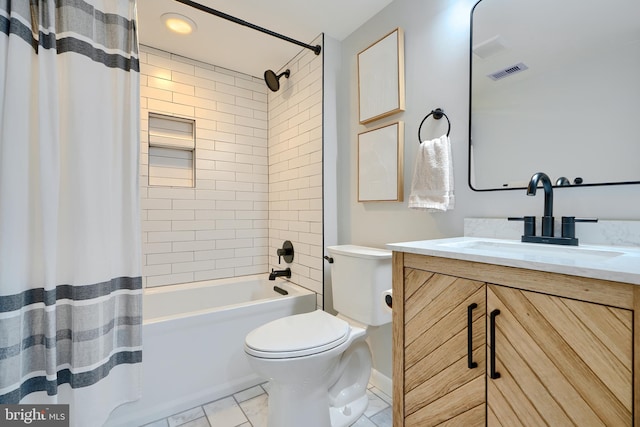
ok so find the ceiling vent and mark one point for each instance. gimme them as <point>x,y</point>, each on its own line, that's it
<point>506,72</point>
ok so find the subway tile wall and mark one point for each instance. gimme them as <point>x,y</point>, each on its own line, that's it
<point>295,169</point>
<point>258,172</point>
<point>219,228</point>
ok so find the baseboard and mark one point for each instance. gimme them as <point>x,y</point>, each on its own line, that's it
<point>382,382</point>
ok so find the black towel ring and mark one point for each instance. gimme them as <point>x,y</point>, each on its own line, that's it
<point>437,114</point>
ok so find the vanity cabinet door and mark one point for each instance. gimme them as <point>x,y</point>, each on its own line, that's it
<point>440,386</point>
<point>561,362</point>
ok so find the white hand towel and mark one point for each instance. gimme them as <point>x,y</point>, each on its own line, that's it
<point>432,185</point>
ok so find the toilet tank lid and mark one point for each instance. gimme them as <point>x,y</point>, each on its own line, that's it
<point>359,251</point>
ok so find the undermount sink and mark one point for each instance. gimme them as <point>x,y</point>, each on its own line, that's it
<point>613,263</point>
<point>501,247</point>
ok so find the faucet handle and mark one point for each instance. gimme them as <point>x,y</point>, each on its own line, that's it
<point>569,225</point>
<point>529,224</point>
<point>286,251</point>
<point>586,219</point>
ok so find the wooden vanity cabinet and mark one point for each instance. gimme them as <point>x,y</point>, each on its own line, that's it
<point>438,384</point>
<point>563,346</point>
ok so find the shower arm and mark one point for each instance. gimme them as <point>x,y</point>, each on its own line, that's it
<point>316,49</point>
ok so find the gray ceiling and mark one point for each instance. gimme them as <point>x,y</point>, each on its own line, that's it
<point>236,47</point>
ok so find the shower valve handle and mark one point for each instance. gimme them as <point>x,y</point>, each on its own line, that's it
<point>286,251</point>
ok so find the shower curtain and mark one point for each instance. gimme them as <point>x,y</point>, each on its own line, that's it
<point>70,249</point>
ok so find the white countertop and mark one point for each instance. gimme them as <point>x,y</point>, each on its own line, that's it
<point>616,263</point>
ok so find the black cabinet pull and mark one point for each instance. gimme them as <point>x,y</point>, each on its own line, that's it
<point>492,343</point>
<point>470,361</point>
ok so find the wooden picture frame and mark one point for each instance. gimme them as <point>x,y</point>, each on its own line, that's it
<point>380,164</point>
<point>381,90</point>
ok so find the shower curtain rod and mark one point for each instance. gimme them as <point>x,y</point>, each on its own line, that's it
<point>316,49</point>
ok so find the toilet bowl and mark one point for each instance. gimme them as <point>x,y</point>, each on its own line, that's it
<point>316,379</point>
<point>318,364</point>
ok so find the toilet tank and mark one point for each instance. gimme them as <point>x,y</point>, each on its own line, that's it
<point>359,276</point>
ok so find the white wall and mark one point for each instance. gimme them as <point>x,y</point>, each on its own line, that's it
<point>331,54</point>
<point>598,152</point>
<point>437,75</point>
<point>219,228</point>
<point>295,169</point>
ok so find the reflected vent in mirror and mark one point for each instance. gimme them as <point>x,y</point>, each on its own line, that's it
<point>509,71</point>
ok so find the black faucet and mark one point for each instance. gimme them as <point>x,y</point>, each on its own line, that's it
<point>568,222</point>
<point>547,219</point>
<point>280,273</point>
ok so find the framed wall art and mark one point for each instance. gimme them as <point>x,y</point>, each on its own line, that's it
<point>381,78</point>
<point>380,164</point>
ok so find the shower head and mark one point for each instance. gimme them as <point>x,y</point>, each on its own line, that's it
<point>273,81</point>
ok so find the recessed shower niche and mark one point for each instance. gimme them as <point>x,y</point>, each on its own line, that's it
<point>171,147</point>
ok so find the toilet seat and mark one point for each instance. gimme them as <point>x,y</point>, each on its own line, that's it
<point>297,336</point>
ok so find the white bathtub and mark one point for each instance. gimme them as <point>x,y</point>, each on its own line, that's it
<point>193,337</point>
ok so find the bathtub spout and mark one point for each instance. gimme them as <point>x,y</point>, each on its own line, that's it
<point>280,273</point>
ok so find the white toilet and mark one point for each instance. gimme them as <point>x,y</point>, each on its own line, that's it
<point>318,364</point>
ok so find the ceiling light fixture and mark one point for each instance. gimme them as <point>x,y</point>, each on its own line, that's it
<point>179,23</point>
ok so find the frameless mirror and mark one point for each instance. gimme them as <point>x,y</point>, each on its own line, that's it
<point>555,87</point>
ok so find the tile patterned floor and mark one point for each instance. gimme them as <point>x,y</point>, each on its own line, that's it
<point>248,408</point>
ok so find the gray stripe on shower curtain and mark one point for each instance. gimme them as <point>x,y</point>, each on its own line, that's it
<point>77,380</point>
<point>76,293</point>
<point>25,346</point>
<point>70,285</point>
<point>30,336</point>
<point>108,31</point>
